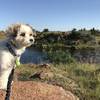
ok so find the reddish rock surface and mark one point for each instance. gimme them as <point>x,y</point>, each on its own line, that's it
<point>37,91</point>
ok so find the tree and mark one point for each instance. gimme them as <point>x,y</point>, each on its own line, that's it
<point>74,35</point>
<point>73,30</point>
<point>93,31</point>
<point>46,30</point>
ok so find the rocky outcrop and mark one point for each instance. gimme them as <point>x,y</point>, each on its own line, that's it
<point>30,90</point>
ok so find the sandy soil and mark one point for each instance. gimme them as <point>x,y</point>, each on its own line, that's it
<point>37,91</point>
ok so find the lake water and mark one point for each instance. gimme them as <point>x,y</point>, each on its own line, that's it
<point>84,55</point>
<point>88,55</point>
<point>33,56</point>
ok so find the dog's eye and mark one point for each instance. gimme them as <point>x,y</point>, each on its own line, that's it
<point>22,34</point>
<point>30,34</point>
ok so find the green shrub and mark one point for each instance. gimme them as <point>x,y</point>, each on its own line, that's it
<point>60,56</point>
<point>79,36</point>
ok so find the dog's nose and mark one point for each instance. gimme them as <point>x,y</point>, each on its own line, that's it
<point>31,40</point>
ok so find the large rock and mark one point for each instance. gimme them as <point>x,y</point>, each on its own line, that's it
<point>37,91</point>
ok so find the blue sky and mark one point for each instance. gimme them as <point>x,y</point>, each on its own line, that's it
<point>53,14</point>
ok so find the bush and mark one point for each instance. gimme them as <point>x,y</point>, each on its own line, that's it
<point>60,57</point>
<point>80,36</point>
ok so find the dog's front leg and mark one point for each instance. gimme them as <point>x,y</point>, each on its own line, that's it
<point>4,75</point>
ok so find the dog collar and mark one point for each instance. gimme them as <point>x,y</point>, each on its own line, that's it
<point>17,62</point>
<point>10,49</point>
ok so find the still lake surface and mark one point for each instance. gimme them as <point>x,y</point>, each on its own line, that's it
<point>33,56</point>
<point>84,55</point>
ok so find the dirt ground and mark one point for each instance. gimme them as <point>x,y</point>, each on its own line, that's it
<point>30,90</point>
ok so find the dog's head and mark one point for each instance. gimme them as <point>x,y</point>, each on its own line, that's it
<point>21,34</point>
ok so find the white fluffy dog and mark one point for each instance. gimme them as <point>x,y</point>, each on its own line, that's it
<point>19,36</point>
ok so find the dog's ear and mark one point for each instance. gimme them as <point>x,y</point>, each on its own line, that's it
<point>12,30</point>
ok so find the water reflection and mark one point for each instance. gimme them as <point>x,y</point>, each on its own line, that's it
<point>33,56</point>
